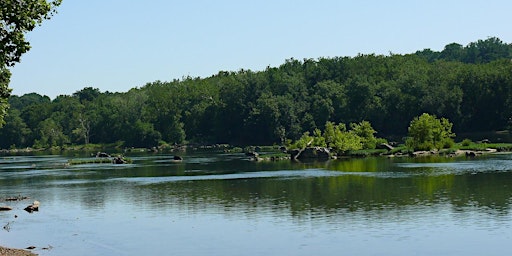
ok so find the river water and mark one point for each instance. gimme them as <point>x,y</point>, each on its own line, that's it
<point>223,204</point>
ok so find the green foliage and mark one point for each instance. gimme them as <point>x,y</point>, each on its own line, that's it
<point>5,76</point>
<point>466,142</point>
<point>318,139</point>
<point>336,137</point>
<point>427,132</point>
<point>366,152</point>
<point>279,104</point>
<point>366,132</point>
<point>484,146</point>
<point>15,132</point>
<point>348,141</point>
<point>98,160</point>
<point>304,141</point>
<point>402,149</point>
<point>16,19</point>
<point>482,51</point>
<point>51,135</point>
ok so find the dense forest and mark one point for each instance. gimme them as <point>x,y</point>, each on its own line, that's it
<point>469,85</point>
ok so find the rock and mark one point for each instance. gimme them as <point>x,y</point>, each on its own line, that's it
<point>252,154</point>
<point>34,207</point>
<point>5,208</point>
<point>471,154</point>
<point>177,158</point>
<point>118,160</point>
<point>18,198</point>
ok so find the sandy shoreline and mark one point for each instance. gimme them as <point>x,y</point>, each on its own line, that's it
<point>14,252</point>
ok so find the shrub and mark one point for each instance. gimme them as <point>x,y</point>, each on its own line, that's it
<point>466,142</point>
<point>427,132</point>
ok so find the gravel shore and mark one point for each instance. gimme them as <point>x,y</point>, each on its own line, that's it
<point>14,252</point>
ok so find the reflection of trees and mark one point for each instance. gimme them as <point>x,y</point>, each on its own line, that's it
<point>483,190</point>
<point>370,184</point>
<point>351,192</point>
<point>94,197</point>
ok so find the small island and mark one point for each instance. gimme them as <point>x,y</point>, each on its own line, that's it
<point>101,158</point>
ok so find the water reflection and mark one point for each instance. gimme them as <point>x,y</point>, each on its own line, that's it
<point>340,195</point>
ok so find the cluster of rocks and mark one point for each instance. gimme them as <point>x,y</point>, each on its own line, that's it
<point>323,153</point>
<point>34,207</point>
<point>115,160</point>
<point>119,160</point>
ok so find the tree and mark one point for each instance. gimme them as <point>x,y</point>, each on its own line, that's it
<point>5,92</point>
<point>87,94</point>
<point>16,19</point>
<point>15,132</point>
<point>366,132</point>
<point>485,51</point>
<point>427,132</point>
<point>51,135</point>
<point>164,108</point>
<point>339,139</point>
<point>452,52</point>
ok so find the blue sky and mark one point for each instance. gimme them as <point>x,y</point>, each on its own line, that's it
<point>116,45</point>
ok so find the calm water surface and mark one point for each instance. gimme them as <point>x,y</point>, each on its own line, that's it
<point>223,204</point>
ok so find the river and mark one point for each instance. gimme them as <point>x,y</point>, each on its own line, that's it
<point>216,203</point>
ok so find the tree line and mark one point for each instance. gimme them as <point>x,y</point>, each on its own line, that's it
<point>471,86</point>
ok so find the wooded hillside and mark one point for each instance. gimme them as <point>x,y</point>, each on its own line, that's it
<point>469,85</point>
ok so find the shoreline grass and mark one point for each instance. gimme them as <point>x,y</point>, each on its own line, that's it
<point>98,160</point>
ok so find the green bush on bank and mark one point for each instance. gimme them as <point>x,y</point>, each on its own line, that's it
<point>427,132</point>
<point>337,137</point>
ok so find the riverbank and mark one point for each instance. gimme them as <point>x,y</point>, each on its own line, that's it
<point>4,251</point>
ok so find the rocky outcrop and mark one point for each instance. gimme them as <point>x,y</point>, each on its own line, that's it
<point>34,207</point>
<point>119,160</point>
